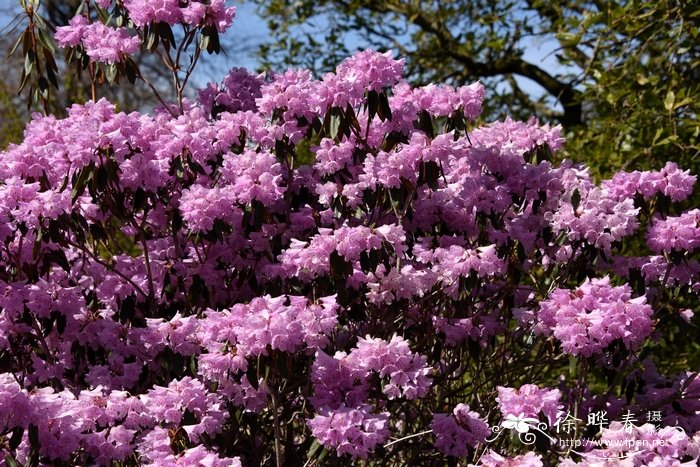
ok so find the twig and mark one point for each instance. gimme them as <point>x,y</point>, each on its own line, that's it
<point>278,446</point>
<point>108,267</point>
<point>408,437</point>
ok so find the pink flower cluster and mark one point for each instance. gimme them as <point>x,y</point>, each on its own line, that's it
<point>342,386</point>
<point>493,459</point>
<point>588,319</point>
<point>671,181</point>
<point>353,431</point>
<point>529,401</point>
<point>101,43</point>
<point>642,445</point>
<point>599,218</point>
<point>111,426</point>
<point>455,433</point>
<point>680,233</point>
<point>237,92</point>
<point>190,12</point>
<point>309,259</point>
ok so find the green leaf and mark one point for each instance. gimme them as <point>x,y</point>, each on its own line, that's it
<point>669,100</point>
<point>204,42</point>
<point>81,182</point>
<point>315,446</point>
<point>111,72</point>
<point>15,45</point>
<point>29,62</point>
<point>334,127</point>
<point>568,39</point>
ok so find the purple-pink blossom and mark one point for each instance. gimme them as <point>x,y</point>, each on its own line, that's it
<point>588,319</point>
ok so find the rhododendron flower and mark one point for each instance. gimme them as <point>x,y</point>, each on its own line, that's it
<point>455,433</point>
<point>590,318</point>
<point>101,43</point>
<point>523,406</point>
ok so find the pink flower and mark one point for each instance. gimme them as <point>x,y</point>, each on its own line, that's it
<point>527,403</point>
<point>588,319</point>
<point>350,431</point>
<point>457,432</point>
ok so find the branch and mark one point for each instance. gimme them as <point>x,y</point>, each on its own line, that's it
<point>543,110</point>
<point>564,92</point>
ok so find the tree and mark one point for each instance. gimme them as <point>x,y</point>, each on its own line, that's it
<point>625,81</point>
<point>53,90</point>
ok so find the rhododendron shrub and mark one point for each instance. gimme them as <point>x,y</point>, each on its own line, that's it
<point>177,288</point>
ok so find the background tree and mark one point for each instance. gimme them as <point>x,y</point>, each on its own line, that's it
<point>623,79</point>
<point>16,107</point>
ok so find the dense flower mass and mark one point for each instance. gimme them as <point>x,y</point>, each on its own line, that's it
<point>290,270</point>
<point>590,318</point>
<point>680,233</point>
<point>529,401</point>
<point>457,432</point>
<point>237,92</point>
<point>101,43</point>
<point>191,12</point>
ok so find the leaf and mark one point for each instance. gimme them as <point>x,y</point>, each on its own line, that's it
<point>568,39</point>
<point>204,42</point>
<point>29,62</point>
<point>139,199</point>
<point>59,257</point>
<point>372,104</point>
<point>24,80</point>
<point>340,267</point>
<point>111,72</point>
<point>575,199</point>
<point>61,322</point>
<point>669,100</point>
<point>52,77</point>
<point>151,41</point>
<point>15,45</point>
<point>431,172</point>
<point>334,126</point>
<point>16,438</point>
<point>131,70</point>
<point>166,33</point>
<point>45,40</point>
<point>573,363</point>
<point>102,178</point>
<point>384,110</point>
<point>79,186</point>
<point>34,436</point>
<point>44,87</point>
